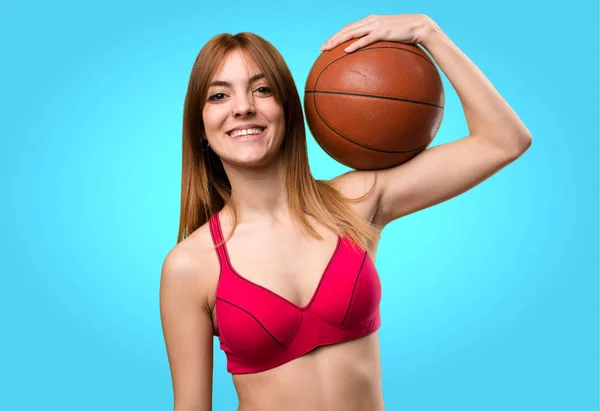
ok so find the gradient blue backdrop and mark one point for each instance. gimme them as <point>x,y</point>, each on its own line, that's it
<point>490,300</point>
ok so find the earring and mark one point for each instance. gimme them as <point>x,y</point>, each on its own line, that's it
<point>207,145</point>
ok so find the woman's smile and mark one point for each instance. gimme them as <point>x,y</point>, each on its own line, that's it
<point>251,134</point>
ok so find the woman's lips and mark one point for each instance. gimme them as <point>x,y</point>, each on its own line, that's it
<point>249,137</point>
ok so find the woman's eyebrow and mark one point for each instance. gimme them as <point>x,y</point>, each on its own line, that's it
<point>228,84</point>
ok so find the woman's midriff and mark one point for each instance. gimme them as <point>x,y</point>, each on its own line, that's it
<point>345,376</point>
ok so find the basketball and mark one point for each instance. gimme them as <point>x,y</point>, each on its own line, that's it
<point>376,107</point>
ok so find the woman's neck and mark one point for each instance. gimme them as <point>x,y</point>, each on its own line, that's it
<point>259,193</point>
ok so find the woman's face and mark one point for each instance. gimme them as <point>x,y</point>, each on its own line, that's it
<point>240,99</point>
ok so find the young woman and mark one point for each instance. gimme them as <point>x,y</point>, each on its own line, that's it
<point>280,266</point>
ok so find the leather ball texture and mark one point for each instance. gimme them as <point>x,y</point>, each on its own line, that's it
<point>376,107</point>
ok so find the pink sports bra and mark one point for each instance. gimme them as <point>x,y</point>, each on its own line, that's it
<point>258,329</point>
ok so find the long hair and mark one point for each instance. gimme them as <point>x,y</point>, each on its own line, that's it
<point>205,188</point>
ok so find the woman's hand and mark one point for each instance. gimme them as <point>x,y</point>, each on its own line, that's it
<point>403,28</point>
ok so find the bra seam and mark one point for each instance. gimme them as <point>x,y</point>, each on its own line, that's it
<point>366,323</point>
<point>346,327</point>
<point>354,288</point>
<point>297,327</point>
<point>255,319</point>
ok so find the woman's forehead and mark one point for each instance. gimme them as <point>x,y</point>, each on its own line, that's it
<point>236,66</point>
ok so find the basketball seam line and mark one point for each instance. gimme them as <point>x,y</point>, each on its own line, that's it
<point>374,96</point>
<point>361,145</point>
<point>373,48</point>
<point>398,48</point>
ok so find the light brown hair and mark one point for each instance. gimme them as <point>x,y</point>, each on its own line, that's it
<point>205,188</point>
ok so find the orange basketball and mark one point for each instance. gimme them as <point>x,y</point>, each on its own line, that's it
<point>376,107</point>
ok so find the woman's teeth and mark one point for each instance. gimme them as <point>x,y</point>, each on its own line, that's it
<point>237,133</point>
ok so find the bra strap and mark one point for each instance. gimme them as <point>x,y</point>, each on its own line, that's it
<point>215,232</point>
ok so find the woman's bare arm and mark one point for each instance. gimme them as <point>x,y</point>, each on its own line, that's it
<point>187,329</point>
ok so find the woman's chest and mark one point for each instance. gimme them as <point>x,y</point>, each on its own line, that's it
<point>288,266</point>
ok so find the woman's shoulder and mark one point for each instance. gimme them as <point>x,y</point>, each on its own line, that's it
<point>355,184</point>
<point>193,262</point>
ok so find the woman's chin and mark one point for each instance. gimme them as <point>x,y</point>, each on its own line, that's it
<point>253,159</point>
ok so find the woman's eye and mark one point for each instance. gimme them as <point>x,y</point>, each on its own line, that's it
<point>221,96</point>
<point>266,90</point>
<point>214,97</point>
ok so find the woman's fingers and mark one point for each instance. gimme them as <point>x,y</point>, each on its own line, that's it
<point>346,34</point>
<point>362,42</point>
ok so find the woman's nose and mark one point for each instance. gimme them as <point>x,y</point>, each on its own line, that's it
<point>243,106</point>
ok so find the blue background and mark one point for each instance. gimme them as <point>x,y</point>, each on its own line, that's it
<point>490,299</point>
